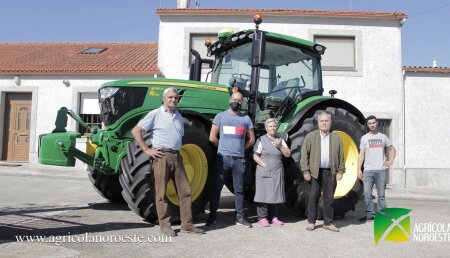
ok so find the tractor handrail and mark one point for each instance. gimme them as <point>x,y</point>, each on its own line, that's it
<point>61,120</point>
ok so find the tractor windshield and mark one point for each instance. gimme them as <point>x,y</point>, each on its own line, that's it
<point>287,75</point>
<point>285,69</point>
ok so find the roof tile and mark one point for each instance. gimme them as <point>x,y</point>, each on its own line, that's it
<point>66,58</point>
<point>420,69</point>
<point>282,12</point>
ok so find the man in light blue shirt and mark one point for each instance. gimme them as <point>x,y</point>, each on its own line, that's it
<point>166,125</point>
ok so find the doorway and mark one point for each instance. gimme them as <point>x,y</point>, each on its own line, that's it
<point>17,127</point>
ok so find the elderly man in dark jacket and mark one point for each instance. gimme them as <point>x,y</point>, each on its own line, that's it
<point>322,163</point>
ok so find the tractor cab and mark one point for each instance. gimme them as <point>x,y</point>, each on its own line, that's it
<point>273,71</point>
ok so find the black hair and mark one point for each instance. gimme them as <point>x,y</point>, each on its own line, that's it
<point>371,117</point>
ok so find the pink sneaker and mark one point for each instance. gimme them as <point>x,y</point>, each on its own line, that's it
<point>263,223</point>
<point>276,221</point>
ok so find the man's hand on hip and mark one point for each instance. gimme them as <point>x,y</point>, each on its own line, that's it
<point>154,153</point>
<point>388,163</point>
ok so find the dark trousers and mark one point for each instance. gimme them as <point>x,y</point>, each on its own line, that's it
<point>164,168</point>
<point>225,166</point>
<point>325,182</point>
<point>266,210</point>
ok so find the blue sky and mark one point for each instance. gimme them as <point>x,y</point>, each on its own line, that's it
<point>425,34</point>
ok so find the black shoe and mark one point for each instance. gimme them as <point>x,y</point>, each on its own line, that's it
<point>365,218</point>
<point>211,220</point>
<point>243,222</point>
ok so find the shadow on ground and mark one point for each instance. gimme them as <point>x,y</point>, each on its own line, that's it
<point>34,220</point>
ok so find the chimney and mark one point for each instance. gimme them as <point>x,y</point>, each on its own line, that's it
<point>434,63</point>
<point>182,4</point>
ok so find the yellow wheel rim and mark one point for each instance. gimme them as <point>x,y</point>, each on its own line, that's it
<point>196,166</point>
<point>351,166</point>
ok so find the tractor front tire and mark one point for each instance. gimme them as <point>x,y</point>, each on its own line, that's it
<point>137,181</point>
<point>108,186</point>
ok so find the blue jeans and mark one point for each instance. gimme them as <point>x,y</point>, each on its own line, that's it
<point>226,165</point>
<point>377,177</point>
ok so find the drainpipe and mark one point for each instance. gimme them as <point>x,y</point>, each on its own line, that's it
<point>402,22</point>
<point>404,127</point>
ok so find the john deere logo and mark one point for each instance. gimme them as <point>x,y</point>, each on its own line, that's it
<point>392,224</point>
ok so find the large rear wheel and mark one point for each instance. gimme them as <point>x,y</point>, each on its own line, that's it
<point>137,177</point>
<point>349,189</point>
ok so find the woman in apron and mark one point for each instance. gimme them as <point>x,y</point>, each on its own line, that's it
<point>268,153</point>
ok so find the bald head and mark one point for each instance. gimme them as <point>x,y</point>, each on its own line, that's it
<point>236,96</point>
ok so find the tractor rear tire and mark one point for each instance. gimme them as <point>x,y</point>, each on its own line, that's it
<point>199,157</point>
<point>108,186</point>
<point>137,177</point>
<point>297,190</point>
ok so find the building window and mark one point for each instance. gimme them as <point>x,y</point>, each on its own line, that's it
<point>340,52</point>
<point>93,50</point>
<point>89,111</point>
<point>197,42</point>
<point>384,126</point>
<point>91,120</point>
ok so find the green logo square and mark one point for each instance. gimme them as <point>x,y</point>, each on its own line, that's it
<point>392,224</point>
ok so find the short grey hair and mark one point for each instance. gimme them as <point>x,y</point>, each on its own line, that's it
<point>170,89</point>
<point>324,113</point>
<point>270,120</point>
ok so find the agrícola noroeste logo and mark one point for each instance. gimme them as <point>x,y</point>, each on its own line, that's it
<point>392,224</point>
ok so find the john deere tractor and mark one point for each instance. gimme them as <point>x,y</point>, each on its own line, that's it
<point>280,76</point>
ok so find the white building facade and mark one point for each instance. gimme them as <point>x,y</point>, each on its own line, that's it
<point>427,152</point>
<point>363,63</point>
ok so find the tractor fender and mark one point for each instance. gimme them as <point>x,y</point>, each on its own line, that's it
<point>322,103</point>
<point>199,116</point>
<point>132,121</point>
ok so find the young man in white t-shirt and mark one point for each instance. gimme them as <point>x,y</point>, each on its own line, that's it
<point>372,153</point>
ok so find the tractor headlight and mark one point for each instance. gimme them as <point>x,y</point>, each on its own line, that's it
<point>107,92</point>
<point>243,35</point>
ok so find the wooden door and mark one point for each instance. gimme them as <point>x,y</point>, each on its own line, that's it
<point>19,130</point>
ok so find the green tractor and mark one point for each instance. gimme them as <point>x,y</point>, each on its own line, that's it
<point>280,76</point>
